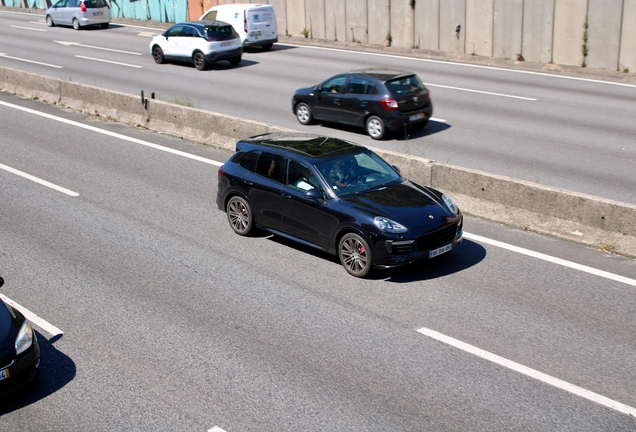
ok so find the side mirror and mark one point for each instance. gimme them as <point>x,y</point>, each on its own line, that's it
<point>396,169</point>
<point>313,194</point>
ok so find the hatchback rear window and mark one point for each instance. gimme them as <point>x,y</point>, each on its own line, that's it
<point>221,32</point>
<point>94,4</point>
<point>410,84</point>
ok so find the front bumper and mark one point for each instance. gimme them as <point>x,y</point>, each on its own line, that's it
<point>22,370</point>
<point>394,251</point>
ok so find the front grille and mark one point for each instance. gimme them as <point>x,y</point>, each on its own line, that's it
<point>438,238</point>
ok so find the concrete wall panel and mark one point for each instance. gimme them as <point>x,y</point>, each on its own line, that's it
<point>335,20</point>
<point>315,19</point>
<point>538,20</point>
<point>569,25</point>
<point>379,21</point>
<point>627,57</point>
<point>356,13</point>
<point>402,16</point>
<point>426,26</point>
<point>507,29</point>
<point>280,9</point>
<point>295,18</point>
<point>452,26</point>
<point>604,32</point>
<point>479,26</point>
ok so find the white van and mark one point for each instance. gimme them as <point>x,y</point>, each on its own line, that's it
<point>255,23</point>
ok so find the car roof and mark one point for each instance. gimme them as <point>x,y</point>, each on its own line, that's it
<point>309,145</point>
<point>200,24</point>
<point>383,74</point>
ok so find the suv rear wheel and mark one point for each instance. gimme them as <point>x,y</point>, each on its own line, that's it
<point>239,214</point>
<point>199,61</point>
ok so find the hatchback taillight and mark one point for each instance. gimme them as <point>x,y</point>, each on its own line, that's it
<point>389,104</point>
<point>82,7</point>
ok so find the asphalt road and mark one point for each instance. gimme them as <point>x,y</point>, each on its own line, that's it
<point>172,322</point>
<point>574,134</point>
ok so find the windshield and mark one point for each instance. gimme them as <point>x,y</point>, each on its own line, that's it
<point>357,173</point>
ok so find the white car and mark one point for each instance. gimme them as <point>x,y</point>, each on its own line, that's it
<point>199,42</point>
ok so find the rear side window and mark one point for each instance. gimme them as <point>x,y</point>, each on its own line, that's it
<point>357,86</point>
<point>269,165</point>
<point>248,161</point>
<point>224,32</point>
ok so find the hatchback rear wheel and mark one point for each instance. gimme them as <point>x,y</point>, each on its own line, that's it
<point>375,127</point>
<point>199,61</point>
<point>239,214</point>
<point>76,24</point>
<point>355,255</point>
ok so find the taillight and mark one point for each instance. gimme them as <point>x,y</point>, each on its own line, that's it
<point>389,104</point>
<point>245,25</point>
<point>221,172</point>
<point>82,7</point>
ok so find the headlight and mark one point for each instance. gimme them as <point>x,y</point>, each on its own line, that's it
<point>25,338</point>
<point>387,225</point>
<point>449,203</point>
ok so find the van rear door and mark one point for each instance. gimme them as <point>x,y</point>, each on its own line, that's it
<point>260,24</point>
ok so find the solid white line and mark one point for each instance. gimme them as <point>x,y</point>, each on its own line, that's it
<point>552,259</point>
<point>563,385</point>
<point>465,65</point>
<point>108,61</point>
<point>480,91</point>
<point>28,28</point>
<point>39,180</point>
<point>113,134</point>
<point>33,318</point>
<point>29,61</point>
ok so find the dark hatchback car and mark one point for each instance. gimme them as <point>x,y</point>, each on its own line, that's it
<point>336,196</point>
<point>375,99</point>
<point>19,350</point>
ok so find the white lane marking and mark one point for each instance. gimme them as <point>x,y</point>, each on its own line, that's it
<point>464,65</point>
<point>147,34</point>
<point>66,43</point>
<point>559,261</point>
<point>108,61</point>
<point>113,134</point>
<point>39,180</point>
<point>33,318</point>
<point>29,61</point>
<point>481,91</point>
<point>216,429</point>
<point>28,28</point>
<point>563,385</point>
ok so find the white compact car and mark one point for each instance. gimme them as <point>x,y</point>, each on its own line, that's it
<point>199,42</point>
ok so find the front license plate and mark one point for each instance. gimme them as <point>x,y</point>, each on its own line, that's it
<point>4,373</point>
<point>416,117</point>
<point>440,251</point>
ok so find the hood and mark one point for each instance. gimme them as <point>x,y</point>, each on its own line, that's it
<point>406,203</point>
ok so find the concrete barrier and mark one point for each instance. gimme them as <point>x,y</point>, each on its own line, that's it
<point>584,219</point>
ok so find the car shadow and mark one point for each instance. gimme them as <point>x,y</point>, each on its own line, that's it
<point>221,65</point>
<point>433,127</point>
<point>56,371</point>
<point>463,256</point>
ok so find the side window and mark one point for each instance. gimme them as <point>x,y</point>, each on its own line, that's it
<point>248,160</point>
<point>269,165</point>
<point>335,85</point>
<point>300,177</point>
<point>371,88</point>
<point>189,31</point>
<point>61,4</point>
<point>357,86</point>
<point>209,16</point>
<point>174,31</point>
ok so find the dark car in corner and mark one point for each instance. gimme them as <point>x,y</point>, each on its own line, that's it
<point>375,99</point>
<point>336,196</point>
<point>19,350</point>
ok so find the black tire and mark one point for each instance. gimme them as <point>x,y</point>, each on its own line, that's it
<point>375,127</point>
<point>157,54</point>
<point>105,25</point>
<point>199,61</point>
<point>49,21</point>
<point>239,215</point>
<point>355,255</point>
<point>76,24</point>
<point>267,47</point>
<point>303,113</point>
<point>235,60</point>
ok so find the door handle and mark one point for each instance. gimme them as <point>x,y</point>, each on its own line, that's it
<point>363,104</point>
<point>249,183</point>
<point>286,195</point>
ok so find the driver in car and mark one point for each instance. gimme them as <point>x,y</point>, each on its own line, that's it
<point>341,174</point>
